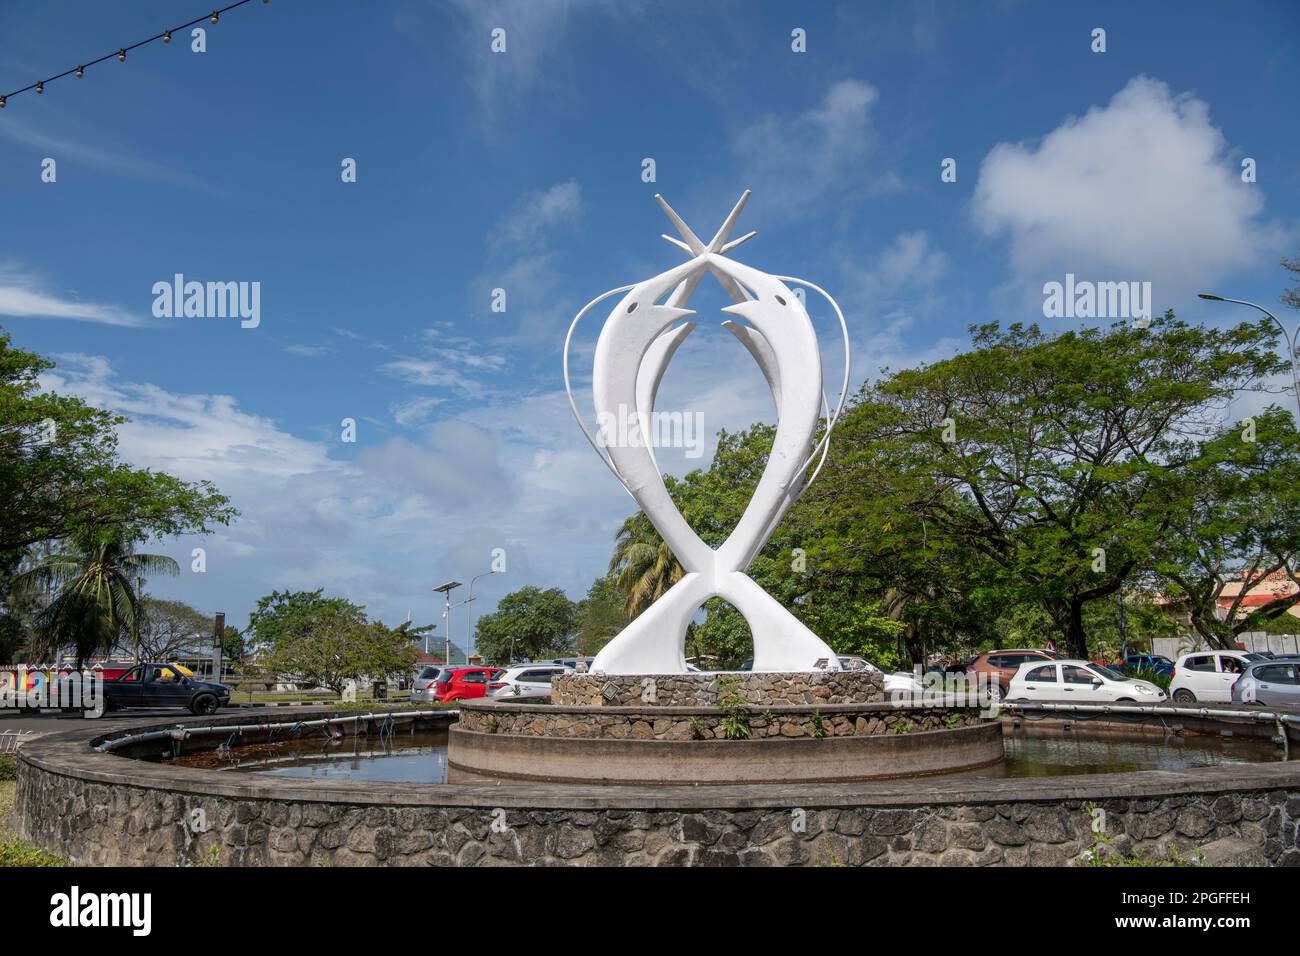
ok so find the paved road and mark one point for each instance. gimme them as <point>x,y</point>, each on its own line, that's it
<point>48,723</point>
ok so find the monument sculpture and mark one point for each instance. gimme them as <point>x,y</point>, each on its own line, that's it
<point>638,716</point>
<point>640,335</point>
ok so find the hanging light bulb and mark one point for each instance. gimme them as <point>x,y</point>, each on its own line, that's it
<point>40,86</point>
<point>81,71</point>
<point>214,17</point>
<point>2,102</point>
<point>167,36</point>
<point>121,56</point>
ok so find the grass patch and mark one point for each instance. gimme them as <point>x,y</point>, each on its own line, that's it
<point>13,851</point>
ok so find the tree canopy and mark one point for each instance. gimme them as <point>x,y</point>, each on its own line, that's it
<point>528,623</point>
<point>60,473</point>
<point>1017,491</point>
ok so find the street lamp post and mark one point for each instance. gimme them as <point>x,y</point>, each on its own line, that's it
<point>469,616</point>
<point>1288,337</point>
<point>445,590</point>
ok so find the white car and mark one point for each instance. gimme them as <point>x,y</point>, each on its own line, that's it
<point>1209,675</point>
<point>525,682</point>
<point>1079,681</point>
<point>902,682</point>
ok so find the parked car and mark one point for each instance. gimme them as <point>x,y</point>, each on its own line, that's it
<point>1275,683</point>
<point>526,682</point>
<point>1208,675</point>
<point>463,683</point>
<point>1081,682</point>
<point>846,664</point>
<point>570,662</point>
<point>424,688</point>
<point>1147,664</point>
<point>902,682</point>
<point>1001,665</point>
<point>165,685</point>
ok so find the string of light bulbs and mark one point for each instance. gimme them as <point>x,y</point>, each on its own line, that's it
<point>166,36</point>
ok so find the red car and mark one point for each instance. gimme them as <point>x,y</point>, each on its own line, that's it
<point>461,683</point>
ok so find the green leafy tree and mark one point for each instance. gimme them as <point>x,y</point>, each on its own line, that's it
<point>94,606</point>
<point>170,629</point>
<point>530,622</point>
<point>1291,297</point>
<point>643,565</point>
<point>337,644</point>
<point>601,615</point>
<point>723,639</point>
<point>1053,458</point>
<point>233,649</point>
<point>1237,520</point>
<point>283,614</point>
<point>60,476</point>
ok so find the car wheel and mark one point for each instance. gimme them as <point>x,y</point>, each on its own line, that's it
<point>1125,700</point>
<point>204,704</point>
<point>1184,696</point>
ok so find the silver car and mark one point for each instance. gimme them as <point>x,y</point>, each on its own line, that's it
<point>1272,683</point>
<point>423,690</point>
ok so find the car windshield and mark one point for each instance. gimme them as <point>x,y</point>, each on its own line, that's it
<point>1109,672</point>
<point>1256,657</point>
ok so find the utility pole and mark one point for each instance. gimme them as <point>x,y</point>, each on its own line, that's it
<point>135,619</point>
<point>218,636</point>
<point>445,590</point>
<point>1291,339</point>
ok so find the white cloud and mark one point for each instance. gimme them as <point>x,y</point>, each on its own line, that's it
<point>794,160</point>
<point>120,164</point>
<point>374,522</point>
<point>522,260</point>
<point>537,54</point>
<point>308,351</point>
<point>908,264</point>
<point>414,411</point>
<point>1143,188</point>
<point>452,368</point>
<point>536,213</point>
<point>22,297</point>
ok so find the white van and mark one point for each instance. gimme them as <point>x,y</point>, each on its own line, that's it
<point>1208,675</point>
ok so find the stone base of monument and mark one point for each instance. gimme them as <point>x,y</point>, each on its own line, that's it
<point>745,727</point>
<point>694,689</point>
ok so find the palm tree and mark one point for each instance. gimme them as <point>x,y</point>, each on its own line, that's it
<point>94,604</point>
<point>643,564</point>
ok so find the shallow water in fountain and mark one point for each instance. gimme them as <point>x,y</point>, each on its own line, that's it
<point>422,757</point>
<point>1036,753</point>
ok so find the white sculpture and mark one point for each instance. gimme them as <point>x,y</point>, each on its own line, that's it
<point>637,342</point>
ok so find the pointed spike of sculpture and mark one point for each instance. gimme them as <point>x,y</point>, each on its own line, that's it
<point>691,238</point>
<point>678,243</point>
<point>720,237</point>
<point>738,242</point>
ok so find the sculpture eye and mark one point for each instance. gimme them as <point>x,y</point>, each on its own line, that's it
<point>781,300</point>
<point>632,307</point>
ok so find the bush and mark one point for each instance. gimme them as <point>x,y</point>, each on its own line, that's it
<point>1150,674</point>
<point>8,769</point>
<point>20,854</point>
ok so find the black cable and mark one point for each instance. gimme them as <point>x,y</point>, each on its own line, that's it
<point>122,50</point>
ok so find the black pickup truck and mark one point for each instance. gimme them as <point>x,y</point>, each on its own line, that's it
<point>164,685</point>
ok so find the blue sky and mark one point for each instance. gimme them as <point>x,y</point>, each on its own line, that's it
<point>523,170</point>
